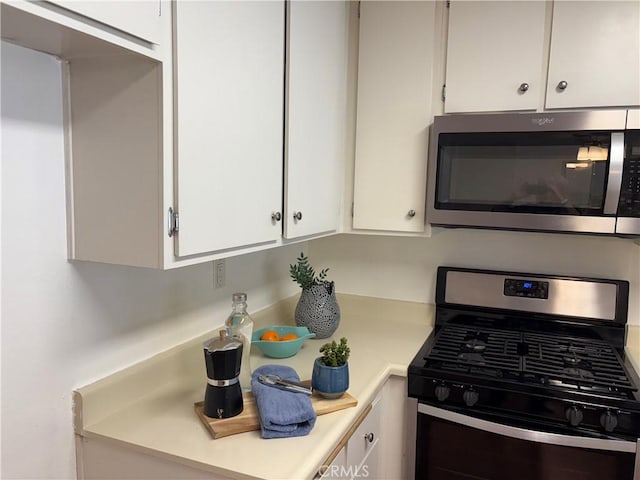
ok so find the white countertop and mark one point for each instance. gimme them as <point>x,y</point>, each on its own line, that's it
<point>149,407</point>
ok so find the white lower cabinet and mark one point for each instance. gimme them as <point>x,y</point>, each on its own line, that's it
<point>362,451</point>
<point>375,447</point>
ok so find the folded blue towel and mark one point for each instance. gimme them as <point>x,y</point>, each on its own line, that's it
<point>283,413</point>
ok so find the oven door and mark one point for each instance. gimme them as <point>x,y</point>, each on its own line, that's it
<point>453,446</point>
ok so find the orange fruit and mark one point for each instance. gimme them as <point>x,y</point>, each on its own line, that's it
<point>270,336</point>
<point>288,336</point>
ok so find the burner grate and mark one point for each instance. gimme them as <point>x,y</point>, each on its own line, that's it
<point>482,347</point>
<point>584,363</point>
<point>530,357</point>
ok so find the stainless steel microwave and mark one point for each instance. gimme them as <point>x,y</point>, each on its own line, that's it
<point>557,172</point>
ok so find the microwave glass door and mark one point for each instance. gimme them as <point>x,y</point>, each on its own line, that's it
<point>539,172</point>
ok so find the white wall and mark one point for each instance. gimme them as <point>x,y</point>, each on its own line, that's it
<point>66,324</point>
<point>405,268</point>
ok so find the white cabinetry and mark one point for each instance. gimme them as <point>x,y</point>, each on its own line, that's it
<point>495,56</point>
<point>199,129</point>
<point>140,18</point>
<point>375,446</point>
<point>315,116</point>
<point>595,51</point>
<point>363,455</point>
<point>395,63</point>
<point>229,61</point>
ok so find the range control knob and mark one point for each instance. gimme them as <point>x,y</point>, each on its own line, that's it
<point>442,392</point>
<point>470,397</point>
<point>609,421</point>
<point>574,415</point>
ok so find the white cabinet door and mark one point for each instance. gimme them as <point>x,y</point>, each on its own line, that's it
<point>370,466</point>
<point>140,18</point>
<point>364,439</point>
<point>495,56</point>
<point>316,116</point>
<point>595,49</point>
<point>229,60</point>
<point>393,114</point>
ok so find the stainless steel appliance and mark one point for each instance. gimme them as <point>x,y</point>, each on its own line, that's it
<point>525,376</point>
<point>564,171</point>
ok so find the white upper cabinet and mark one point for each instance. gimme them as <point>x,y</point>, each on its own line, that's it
<point>595,54</point>
<point>140,18</point>
<point>315,116</point>
<point>494,56</point>
<point>535,55</point>
<point>396,55</point>
<point>229,63</point>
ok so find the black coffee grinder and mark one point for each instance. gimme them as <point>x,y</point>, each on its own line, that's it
<point>223,356</point>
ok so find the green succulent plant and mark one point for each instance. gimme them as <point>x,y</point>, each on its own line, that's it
<point>305,275</point>
<point>335,354</point>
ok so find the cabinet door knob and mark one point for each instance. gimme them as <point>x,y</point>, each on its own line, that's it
<point>523,87</point>
<point>411,213</point>
<point>297,215</point>
<point>276,216</point>
<point>562,85</point>
<point>369,437</point>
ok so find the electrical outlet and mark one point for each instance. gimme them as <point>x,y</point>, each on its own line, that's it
<point>219,273</point>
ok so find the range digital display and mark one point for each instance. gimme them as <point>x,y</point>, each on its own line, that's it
<point>526,288</point>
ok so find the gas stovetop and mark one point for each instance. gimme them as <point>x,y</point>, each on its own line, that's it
<point>532,358</point>
<point>537,365</point>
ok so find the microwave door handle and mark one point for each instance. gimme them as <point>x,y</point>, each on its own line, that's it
<point>616,160</point>
<point>531,435</point>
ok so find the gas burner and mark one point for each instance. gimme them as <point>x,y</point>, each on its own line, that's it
<point>470,357</point>
<point>573,349</point>
<point>572,360</point>
<point>580,373</point>
<point>475,345</point>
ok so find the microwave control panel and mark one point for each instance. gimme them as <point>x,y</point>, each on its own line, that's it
<point>629,205</point>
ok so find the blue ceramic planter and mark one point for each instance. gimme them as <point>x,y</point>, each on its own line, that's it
<point>330,382</point>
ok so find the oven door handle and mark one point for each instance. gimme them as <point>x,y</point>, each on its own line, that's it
<point>531,435</point>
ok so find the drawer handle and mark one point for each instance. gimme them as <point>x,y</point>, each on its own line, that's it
<point>369,437</point>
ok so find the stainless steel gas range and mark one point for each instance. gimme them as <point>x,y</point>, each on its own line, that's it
<point>525,376</point>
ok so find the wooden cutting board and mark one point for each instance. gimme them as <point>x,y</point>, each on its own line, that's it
<point>248,419</point>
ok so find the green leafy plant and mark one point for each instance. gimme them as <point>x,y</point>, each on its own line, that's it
<point>305,275</point>
<point>335,354</point>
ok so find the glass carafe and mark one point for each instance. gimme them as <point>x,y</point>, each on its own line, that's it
<point>240,324</point>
